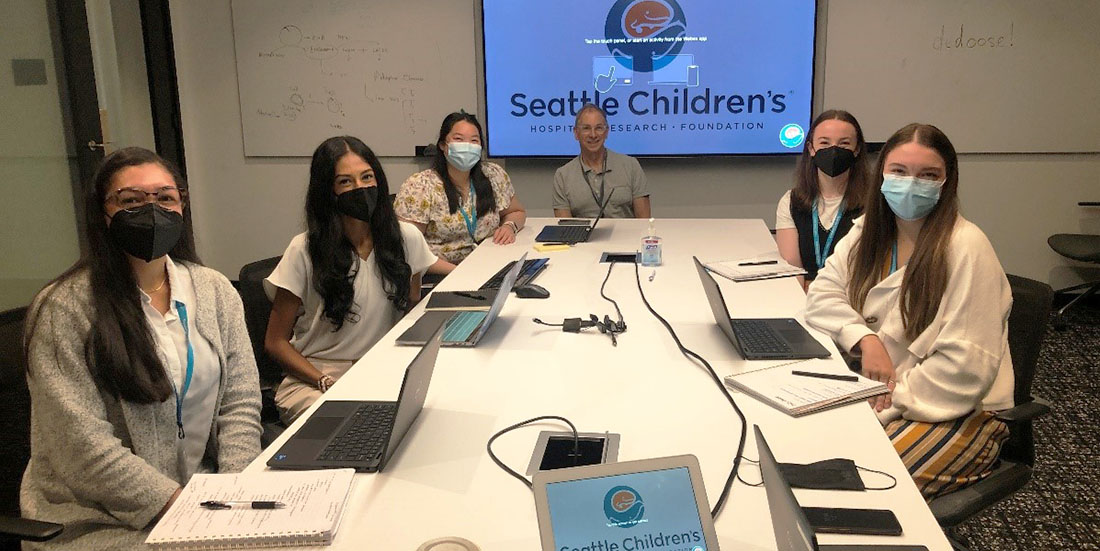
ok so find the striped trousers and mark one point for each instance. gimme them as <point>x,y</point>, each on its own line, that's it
<point>950,455</point>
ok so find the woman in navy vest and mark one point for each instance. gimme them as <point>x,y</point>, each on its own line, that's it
<point>830,183</point>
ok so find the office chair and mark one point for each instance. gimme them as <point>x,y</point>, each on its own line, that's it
<point>1027,325</point>
<point>15,410</point>
<point>1082,248</point>
<point>257,310</point>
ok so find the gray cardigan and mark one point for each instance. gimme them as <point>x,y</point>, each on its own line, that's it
<point>105,467</point>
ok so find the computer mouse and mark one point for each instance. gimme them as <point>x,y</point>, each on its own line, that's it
<point>531,291</point>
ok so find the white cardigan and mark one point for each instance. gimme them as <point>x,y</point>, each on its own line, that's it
<point>960,363</point>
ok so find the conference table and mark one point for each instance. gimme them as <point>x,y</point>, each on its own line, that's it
<point>441,482</point>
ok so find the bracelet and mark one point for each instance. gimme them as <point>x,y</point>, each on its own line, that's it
<point>513,225</point>
<point>324,382</point>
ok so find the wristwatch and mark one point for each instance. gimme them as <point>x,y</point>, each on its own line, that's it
<point>513,225</point>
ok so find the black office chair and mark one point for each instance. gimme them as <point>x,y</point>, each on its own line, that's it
<point>15,438</point>
<point>1027,325</point>
<point>1082,248</point>
<point>257,310</point>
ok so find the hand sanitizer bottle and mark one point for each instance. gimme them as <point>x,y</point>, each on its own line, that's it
<point>651,247</point>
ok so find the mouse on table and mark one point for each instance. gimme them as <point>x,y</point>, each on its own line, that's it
<point>531,291</point>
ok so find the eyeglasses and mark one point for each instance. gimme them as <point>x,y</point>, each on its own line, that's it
<point>599,128</point>
<point>131,198</point>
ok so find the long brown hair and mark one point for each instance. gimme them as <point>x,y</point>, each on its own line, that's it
<point>805,176</point>
<point>925,278</point>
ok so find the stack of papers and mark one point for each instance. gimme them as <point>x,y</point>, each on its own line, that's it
<point>768,266</point>
<point>797,395</point>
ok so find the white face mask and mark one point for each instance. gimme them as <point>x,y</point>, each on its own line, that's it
<point>463,155</point>
<point>910,198</point>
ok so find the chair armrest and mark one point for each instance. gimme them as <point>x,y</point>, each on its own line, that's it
<point>27,529</point>
<point>1037,407</point>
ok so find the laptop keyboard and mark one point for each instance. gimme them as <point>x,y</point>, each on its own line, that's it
<point>571,234</point>
<point>462,325</point>
<point>531,268</point>
<point>758,337</point>
<point>364,436</point>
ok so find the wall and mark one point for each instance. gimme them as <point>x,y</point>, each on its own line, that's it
<point>248,209</point>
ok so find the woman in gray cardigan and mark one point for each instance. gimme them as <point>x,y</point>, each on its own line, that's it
<point>139,366</point>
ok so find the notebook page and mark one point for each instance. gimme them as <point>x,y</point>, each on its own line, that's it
<point>794,392</point>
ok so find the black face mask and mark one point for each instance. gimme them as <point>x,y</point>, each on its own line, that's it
<point>146,232</point>
<point>834,160</point>
<point>830,474</point>
<point>358,203</point>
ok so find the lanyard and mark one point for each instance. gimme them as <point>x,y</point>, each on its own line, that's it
<point>181,310</point>
<point>894,259</point>
<point>602,174</point>
<point>471,223</point>
<point>819,253</point>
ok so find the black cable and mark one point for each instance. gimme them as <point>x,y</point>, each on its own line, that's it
<point>540,322</point>
<point>718,381</point>
<point>489,444</point>
<point>610,266</point>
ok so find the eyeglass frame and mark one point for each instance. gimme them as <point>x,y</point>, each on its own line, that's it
<point>113,196</point>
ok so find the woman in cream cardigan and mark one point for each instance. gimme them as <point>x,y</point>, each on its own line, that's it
<point>916,291</point>
<point>139,366</point>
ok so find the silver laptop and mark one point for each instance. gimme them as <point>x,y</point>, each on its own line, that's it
<point>362,435</point>
<point>464,328</point>
<point>763,338</point>
<point>793,531</point>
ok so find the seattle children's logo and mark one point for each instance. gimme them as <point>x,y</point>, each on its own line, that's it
<point>623,507</point>
<point>644,35</point>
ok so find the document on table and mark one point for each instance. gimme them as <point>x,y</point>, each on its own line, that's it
<point>797,395</point>
<point>766,266</point>
<point>314,503</point>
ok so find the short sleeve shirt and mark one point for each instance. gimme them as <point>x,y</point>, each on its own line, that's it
<point>314,335</point>
<point>422,200</point>
<point>577,187</point>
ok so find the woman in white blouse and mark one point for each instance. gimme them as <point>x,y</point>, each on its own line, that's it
<point>916,291</point>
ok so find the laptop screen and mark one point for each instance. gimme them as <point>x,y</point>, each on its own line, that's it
<point>652,510</point>
<point>792,530</point>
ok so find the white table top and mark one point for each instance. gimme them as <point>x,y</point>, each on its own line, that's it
<point>441,481</point>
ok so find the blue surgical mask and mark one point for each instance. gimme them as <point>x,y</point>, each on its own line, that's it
<point>910,198</point>
<point>463,155</point>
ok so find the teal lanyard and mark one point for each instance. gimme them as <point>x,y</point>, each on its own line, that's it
<point>181,310</point>
<point>819,253</point>
<point>894,259</point>
<point>471,221</point>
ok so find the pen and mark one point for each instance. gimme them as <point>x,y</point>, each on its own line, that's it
<point>761,263</point>
<point>218,505</point>
<point>469,295</point>
<point>849,378</point>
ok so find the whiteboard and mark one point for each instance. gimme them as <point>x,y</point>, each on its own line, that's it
<point>994,75</point>
<point>385,71</point>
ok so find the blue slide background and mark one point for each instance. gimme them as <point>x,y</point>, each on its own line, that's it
<point>577,514</point>
<point>752,47</point>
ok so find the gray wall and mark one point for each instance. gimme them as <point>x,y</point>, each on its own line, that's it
<point>249,208</point>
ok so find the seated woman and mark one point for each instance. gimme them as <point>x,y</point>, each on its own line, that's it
<point>138,363</point>
<point>917,291</point>
<point>830,184</point>
<point>345,281</point>
<point>461,200</point>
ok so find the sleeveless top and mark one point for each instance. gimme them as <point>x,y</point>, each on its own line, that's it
<point>803,221</point>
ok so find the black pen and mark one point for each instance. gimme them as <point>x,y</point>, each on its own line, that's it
<point>469,295</point>
<point>849,378</point>
<point>761,263</point>
<point>219,505</point>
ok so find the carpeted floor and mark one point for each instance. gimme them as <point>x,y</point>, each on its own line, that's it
<point>1060,508</point>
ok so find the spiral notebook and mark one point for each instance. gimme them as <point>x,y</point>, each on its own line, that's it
<point>780,388</point>
<point>314,504</point>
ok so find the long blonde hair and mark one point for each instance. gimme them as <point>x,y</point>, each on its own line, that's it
<point>925,278</point>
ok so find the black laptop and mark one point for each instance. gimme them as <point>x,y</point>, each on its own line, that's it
<point>570,234</point>
<point>760,339</point>
<point>793,531</point>
<point>361,435</point>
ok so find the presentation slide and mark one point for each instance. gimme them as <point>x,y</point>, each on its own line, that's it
<point>676,77</point>
<point>651,511</point>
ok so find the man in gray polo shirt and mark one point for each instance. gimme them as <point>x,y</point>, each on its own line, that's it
<point>599,175</point>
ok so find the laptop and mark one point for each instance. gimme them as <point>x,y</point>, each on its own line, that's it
<point>464,328</point>
<point>362,435</point>
<point>648,504</point>
<point>760,339</point>
<point>571,234</point>
<point>793,531</point>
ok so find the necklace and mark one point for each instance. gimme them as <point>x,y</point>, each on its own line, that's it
<point>159,287</point>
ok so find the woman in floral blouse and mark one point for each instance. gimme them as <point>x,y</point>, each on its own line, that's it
<point>461,200</point>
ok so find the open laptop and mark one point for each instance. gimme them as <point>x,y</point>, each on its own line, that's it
<point>465,328</point>
<point>360,434</point>
<point>793,531</point>
<point>571,234</point>
<point>763,338</point>
<point>648,504</point>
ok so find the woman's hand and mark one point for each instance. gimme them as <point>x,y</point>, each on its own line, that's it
<point>504,235</point>
<point>877,366</point>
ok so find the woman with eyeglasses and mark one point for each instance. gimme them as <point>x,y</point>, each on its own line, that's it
<point>916,291</point>
<point>461,200</point>
<point>138,363</point>
<point>347,280</point>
